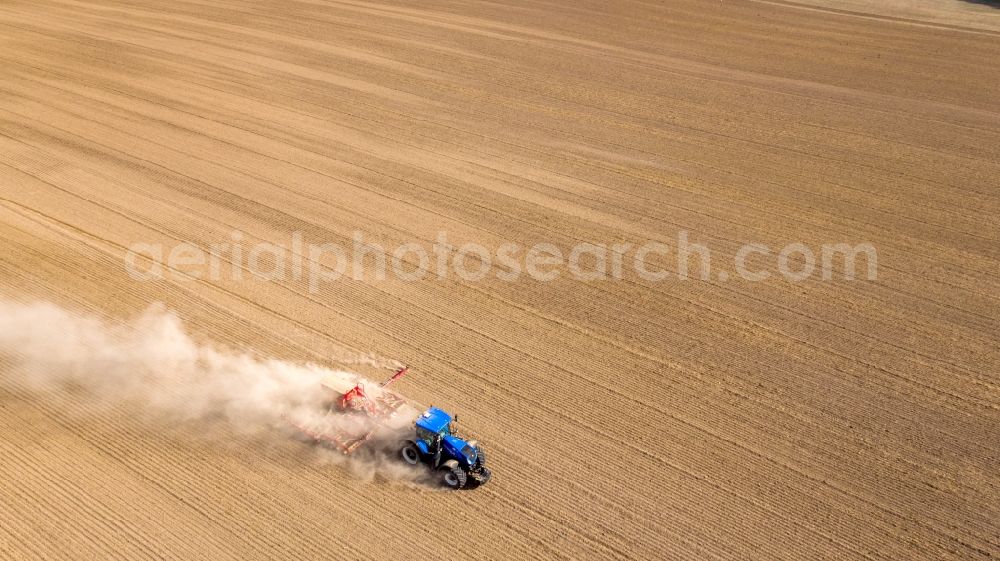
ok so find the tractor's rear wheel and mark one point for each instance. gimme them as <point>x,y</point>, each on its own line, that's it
<point>452,477</point>
<point>410,453</point>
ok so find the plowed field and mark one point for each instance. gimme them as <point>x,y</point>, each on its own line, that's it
<point>624,418</point>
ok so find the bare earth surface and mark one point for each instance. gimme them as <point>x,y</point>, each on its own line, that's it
<point>968,14</point>
<point>624,419</point>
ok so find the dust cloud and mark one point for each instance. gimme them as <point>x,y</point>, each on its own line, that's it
<point>153,363</point>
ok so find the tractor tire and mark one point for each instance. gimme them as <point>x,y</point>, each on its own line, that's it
<point>410,453</point>
<point>452,477</point>
<point>478,478</point>
<point>480,457</point>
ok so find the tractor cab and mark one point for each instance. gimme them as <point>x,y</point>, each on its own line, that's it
<point>436,444</point>
<point>434,422</point>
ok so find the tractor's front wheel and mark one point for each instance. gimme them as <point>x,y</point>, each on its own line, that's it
<point>481,477</point>
<point>452,477</point>
<point>410,453</point>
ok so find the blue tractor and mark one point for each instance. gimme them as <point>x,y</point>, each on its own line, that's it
<point>457,462</point>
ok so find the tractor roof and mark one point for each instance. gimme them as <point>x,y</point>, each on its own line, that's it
<point>434,420</point>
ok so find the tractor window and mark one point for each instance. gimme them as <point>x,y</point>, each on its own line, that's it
<point>425,435</point>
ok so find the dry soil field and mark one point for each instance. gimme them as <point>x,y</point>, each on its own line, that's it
<point>625,419</point>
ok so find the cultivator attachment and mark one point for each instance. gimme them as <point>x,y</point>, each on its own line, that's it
<point>376,407</point>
